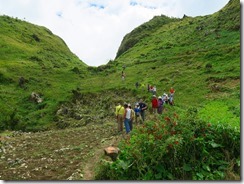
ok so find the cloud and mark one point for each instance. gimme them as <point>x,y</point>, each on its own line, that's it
<point>96,6</point>
<point>94,29</point>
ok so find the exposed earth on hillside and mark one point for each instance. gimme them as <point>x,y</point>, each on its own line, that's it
<point>55,155</point>
<point>66,154</point>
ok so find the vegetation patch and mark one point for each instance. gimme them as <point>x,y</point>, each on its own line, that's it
<point>177,148</point>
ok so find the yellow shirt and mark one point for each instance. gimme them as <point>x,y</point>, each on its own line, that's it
<point>119,110</point>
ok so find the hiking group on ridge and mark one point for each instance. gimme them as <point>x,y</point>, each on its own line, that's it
<point>127,116</point>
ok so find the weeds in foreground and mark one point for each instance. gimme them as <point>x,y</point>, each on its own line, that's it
<point>175,148</point>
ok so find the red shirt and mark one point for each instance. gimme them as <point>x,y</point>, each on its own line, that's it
<point>154,103</point>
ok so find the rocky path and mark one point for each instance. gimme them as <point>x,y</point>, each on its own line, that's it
<point>55,155</point>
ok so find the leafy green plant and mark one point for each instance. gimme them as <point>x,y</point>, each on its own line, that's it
<point>175,148</point>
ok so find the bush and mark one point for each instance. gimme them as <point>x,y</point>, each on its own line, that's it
<point>177,149</point>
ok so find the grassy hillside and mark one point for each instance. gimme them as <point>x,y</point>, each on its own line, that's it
<point>196,139</point>
<point>199,137</point>
<point>199,57</point>
<point>47,66</point>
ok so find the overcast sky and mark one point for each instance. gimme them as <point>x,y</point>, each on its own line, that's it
<point>94,29</point>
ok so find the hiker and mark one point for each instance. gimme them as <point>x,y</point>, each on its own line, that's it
<point>160,105</point>
<point>151,89</point>
<point>143,107</point>
<point>154,104</point>
<point>127,118</point>
<point>132,117</point>
<point>165,98</point>
<point>154,90</point>
<point>123,75</point>
<point>171,100</point>
<point>137,85</point>
<point>137,113</point>
<point>119,113</point>
<point>172,92</point>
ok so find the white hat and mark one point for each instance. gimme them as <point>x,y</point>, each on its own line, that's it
<point>160,97</point>
<point>164,94</point>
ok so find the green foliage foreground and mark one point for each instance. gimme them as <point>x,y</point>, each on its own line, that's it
<point>177,147</point>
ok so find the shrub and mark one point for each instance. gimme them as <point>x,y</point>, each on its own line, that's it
<point>176,149</point>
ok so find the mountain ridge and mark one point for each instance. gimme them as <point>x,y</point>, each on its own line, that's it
<point>200,56</point>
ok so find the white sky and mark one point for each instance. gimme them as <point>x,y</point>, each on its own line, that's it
<point>94,29</point>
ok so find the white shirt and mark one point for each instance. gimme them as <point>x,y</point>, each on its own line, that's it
<point>128,113</point>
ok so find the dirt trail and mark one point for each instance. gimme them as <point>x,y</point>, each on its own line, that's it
<point>68,154</point>
<point>89,168</point>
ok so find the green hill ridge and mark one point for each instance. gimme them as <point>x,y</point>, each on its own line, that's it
<point>47,66</point>
<point>199,56</point>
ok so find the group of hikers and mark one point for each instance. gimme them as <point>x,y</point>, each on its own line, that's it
<point>127,115</point>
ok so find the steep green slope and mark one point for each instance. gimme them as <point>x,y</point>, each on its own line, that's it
<point>142,31</point>
<point>47,66</point>
<point>199,137</point>
<point>199,57</point>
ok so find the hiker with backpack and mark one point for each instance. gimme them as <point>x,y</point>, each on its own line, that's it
<point>165,98</point>
<point>154,104</point>
<point>160,105</point>
<point>137,113</point>
<point>119,113</point>
<point>143,108</point>
<point>132,117</point>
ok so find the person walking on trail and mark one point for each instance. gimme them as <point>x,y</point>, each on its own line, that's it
<point>172,91</point>
<point>137,113</point>
<point>154,104</point>
<point>127,118</point>
<point>171,96</point>
<point>137,85</point>
<point>123,75</point>
<point>160,105</point>
<point>143,108</point>
<point>119,113</point>
<point>132,117</point>
<point>154,90</point>
<point>165,98</point>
